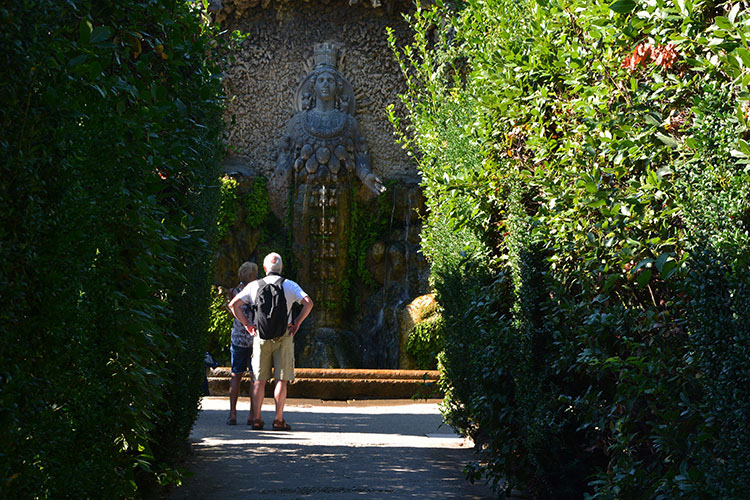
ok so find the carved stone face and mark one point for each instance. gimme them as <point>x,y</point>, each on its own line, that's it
<point>325,86</point>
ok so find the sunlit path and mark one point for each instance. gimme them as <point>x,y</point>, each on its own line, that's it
<point>336,450</point>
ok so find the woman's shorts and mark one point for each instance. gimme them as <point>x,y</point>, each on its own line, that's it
<point>240,358</point>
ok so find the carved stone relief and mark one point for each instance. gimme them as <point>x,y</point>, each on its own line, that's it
<point>263,80</point>
<point>316,121</point>
<point>322,153</point>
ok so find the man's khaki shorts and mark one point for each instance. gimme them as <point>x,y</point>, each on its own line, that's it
<point>277,353</point>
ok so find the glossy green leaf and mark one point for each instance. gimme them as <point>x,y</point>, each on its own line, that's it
<point>659,263</point>
<point>723,23</point>
<point>668,269</point>
<point>643,277</point>
<point>623,6</point>
<point>85,29</point>
<point>667,140</point>
<point>744,55</point>
<point>100,34</point>
<point>77,60</point>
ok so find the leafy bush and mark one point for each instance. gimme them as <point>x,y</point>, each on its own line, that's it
<point>586,169</point>
<point>425,342</point>
<point>111,123</point>
<point>257,203</point>
<point>229,203</point>
<point>219,325</point>
<point>714,184</point>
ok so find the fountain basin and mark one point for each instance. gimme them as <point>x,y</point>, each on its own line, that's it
<point>342,384</point>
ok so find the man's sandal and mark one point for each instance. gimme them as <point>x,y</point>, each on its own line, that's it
<point>256,425</point>
<point>231,421</point>
<point>281,425</point>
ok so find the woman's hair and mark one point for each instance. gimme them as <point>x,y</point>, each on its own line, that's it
<point>248,272</point>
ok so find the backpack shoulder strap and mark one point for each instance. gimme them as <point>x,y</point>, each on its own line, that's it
<point>279,282</point>
<point>283,295</point>
<point>261,284</point>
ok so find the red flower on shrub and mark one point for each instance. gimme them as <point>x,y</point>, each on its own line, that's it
<point>661,55</point>
<point>664,56</point>
<point>640,56</point>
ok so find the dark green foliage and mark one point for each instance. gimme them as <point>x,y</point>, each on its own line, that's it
<point>110,141</point>
<point>714,181</point>
<point>257,204</point>
<point>368,222</point>
<point>589,237</point>
<point>425,342</point>
<point>219,325</point>
<point>229,202</point>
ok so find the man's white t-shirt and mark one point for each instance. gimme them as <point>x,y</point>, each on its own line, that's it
<point>293,293</point>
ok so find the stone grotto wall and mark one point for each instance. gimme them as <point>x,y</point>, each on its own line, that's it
<point>278,53</point>
<point>261,84</point>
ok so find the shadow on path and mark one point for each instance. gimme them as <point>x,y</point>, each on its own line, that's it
<point>334,452</point>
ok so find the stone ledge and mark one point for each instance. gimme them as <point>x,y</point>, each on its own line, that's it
<point>343,384</point>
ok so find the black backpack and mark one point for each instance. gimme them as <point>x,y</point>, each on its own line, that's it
<point>270,310</point>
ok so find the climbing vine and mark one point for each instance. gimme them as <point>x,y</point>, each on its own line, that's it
<point>365,228</point>
<point>257,204</point>
<point>229,202</point>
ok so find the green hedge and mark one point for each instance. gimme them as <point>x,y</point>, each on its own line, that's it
<point>586,168</point>
<point>220,325</point>
<point>111,122</point>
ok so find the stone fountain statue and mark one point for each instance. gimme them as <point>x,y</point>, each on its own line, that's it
<point>322,153</point>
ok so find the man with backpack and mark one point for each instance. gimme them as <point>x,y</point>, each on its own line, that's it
<point>273,331</point>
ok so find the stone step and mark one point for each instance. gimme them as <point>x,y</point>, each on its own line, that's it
<point>342,384</point>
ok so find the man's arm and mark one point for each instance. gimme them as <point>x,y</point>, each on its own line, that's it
<point>235,305</point>
<point>307,305</point>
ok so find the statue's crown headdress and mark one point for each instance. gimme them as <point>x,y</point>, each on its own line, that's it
<point>324,54</point>
<point>325,58</point>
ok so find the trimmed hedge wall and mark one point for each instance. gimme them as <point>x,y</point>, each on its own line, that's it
<point>111,122</point>
<point>586,168</point>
